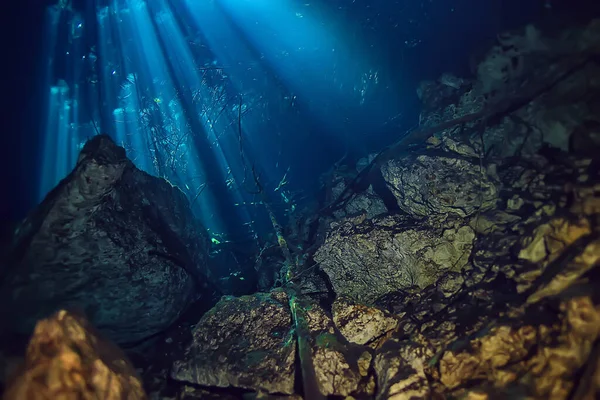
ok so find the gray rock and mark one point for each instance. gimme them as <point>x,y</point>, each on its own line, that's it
<point>366,259</point>
<point>111,240</point>
<point>439,185</point>
<point>367,202</point>
<point>244,342</point>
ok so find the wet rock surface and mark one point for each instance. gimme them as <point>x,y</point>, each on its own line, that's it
<point>361,324</point>
<point>243,342</point>
<point>366,259</point>
<point>442,184</point>
<point>111,240</point>
<point>483,284</point>
<point>67,358</point>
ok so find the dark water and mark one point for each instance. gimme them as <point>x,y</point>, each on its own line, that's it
<point>317,82</point>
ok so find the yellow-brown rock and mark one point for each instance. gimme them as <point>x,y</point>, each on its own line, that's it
<point>66,359</point>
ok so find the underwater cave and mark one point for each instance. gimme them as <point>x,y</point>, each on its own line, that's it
<point>287,200</point>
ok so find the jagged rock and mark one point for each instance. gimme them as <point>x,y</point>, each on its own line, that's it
<point>509,329</point>
<point>489,291</point>
<point>313,283</point>
<point>367,259</point>
<point>556,236</point>
<point>524,320</point>
<point>450,283</point>
<point>67,359</point>
<point>244,342</point>
<point>361,324</point>
<point>543,358</point>
<point>249,342</point>
<point>400,369</point>
<point>340,368</point>
<point>550,239</point>
<point>112,240</point>
<point>367,202</point>
<point>428,185</point>
<point>522,60</point>
<point>494,220</point>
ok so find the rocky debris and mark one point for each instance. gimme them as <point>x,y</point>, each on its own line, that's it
<point>341,368</point>
<point>539,354</point>
<point>485,293</point>
<point>483,286</point>
<point>367,259</point>
<point>66,358</point>
<point>249,343</point>
<point>109,239</point>
<point>244,342</point>
<point>440,184</point>
<point>400,369</point>
<point>519,317</point>
<point>361,324</point>
<point>367,202</point>
<point>560,66</point>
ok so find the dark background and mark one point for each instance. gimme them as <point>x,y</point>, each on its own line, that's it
<point>447,38</point>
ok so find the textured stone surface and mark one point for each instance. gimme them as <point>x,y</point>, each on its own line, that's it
<point>244,342</point>
<point>66,359</point>
<point>549,354</point>
<point>366,259</point>
<point>367,202</point>
<point>340,368</point>
<point>112,240</point>
<point>515,65</point>
<point>450,298</point>
<point>400,370</point>
<point>361,324</point>
<point>249,343</point>
<point>428,185</point>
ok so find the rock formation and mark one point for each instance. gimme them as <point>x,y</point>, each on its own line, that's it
<point>111,240</point>
<point>67,359</point>
<point>481,284</point>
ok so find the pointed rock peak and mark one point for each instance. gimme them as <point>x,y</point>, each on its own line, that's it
<point>103,148</point>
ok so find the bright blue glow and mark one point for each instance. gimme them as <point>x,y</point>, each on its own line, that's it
<point>165,79</point>
<point>63,129</point>
<point>305,52</point>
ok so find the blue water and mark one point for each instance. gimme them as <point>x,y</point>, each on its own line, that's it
<point>203,92</point>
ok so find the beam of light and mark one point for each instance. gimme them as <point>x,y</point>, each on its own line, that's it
<point>312,58</point>
<point>62,137</point>
<point>250,75</point>
<point>148,119</point>
<point>208,98</point>
<point>154,109</point>
<point>165,79</point>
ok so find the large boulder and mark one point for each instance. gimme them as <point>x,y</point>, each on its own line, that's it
<point>112,241</point>
<point>245,342</point>
<point>67,359</point>
<point>367,259</point>
<point>250,343</point>
<point>440,184</point>
<point>559,65</point>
